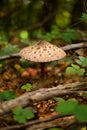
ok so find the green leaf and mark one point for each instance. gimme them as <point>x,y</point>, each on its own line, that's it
<point>75,66</point>
<point>19,119</point>
<point>82,61</point>
<point>78,62</point>
<point>27,87</point>
<point>70,71</point>
<point>66,108</point>
<point>47,36</point>
<point>28,114</point>
<point>81,72</point>
<point>38,34</point>
<point>69,35</point>
<point>81,113</point>
<point>81,58</point>
<point>21,115</point>
<point>58,99</point>
<point>84,17</point>
<point>75,70</point>
<point>7,95</point>
<point>17,110</point>
<point>24,35</point>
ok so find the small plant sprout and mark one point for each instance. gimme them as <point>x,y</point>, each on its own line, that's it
<point>42,52</point>
<point>27,87</point>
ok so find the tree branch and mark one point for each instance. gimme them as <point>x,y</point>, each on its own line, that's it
<point>42,94</point>
<point>6,57</point>
<point>53,121</point>
<point>59,122</point>
<point>74,46</point>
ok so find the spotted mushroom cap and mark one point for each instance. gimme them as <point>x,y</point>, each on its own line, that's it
<point>42,52</point>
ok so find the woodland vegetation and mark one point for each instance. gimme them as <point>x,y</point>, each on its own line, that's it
<point>59,100</point>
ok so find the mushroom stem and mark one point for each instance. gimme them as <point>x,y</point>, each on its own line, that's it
<point>42,69</point>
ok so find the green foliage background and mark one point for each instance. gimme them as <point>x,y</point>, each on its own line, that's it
<point>41,15</point>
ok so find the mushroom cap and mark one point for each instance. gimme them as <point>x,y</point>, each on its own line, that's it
<point>42,52</point>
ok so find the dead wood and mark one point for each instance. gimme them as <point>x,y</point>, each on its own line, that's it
<point>60,122</point>
<point>47,122</point>
<point>74,46</point>
<point>65,48</point>
<point>6,57</point>
<point>42,94</point>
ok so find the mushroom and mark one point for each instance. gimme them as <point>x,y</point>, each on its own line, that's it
<point>42,52</point>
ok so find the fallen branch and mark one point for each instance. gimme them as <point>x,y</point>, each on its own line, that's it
<point>74,46</point>
<point>42,94</point>
<point>6,57</point>
<point>60,122</point>
<point>65,48</point>
<point>54,121</point>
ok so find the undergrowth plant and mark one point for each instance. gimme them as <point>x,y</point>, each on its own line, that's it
<point>72,107</point>
<point>7,95</point>
<point>70,35</point>
<point>75,70</point>
<point>21,115</point>
<point>49,36</point>
<point>9,49</point>
<point>82,61</point>
<point>67,36</point>
<point>84,17</point>
<point>78,68</point>
<point>27,87</point>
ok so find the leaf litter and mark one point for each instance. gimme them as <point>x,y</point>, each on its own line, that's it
<point>12,78</point>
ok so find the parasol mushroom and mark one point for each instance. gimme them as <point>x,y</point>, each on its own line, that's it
<point>42,52</point>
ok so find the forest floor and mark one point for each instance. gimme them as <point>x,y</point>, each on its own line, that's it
<point>13,76</point>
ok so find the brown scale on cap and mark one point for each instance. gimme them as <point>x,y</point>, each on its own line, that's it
<point>42,52</point>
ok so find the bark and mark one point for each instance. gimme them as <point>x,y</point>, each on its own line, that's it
<point>60,122</point>
<point>74,46</point>
<point>41,124</point>
<point>43,94</point>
